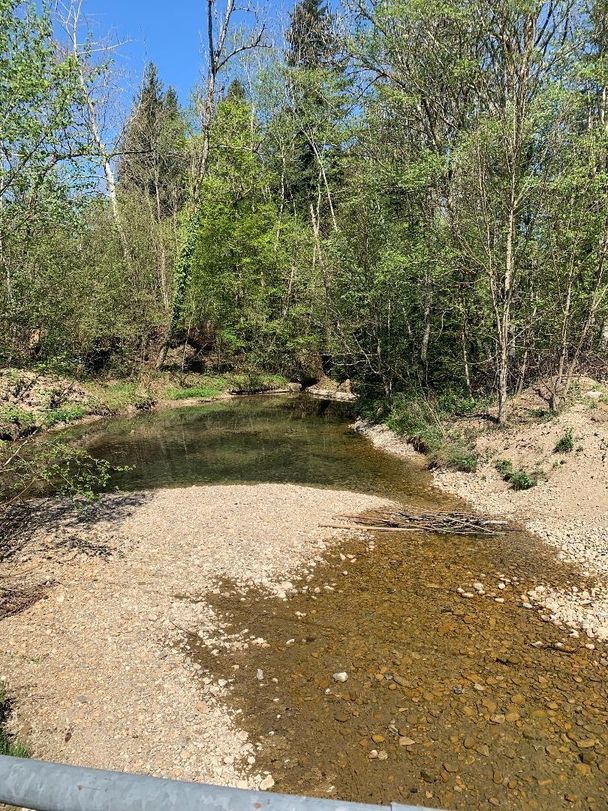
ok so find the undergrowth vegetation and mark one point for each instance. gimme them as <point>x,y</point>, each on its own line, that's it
<point>565,444</point>
<point>518,479</point>
<point>8,743</point>
<point>425,422</point>
<point>238,383</point>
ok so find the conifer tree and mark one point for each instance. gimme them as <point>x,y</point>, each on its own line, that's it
<point>153,146</point>
<point>311,37</point>
<point>315,84</point>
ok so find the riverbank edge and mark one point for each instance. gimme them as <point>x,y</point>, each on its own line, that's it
<point>547,511</point>
<point>53,403</point>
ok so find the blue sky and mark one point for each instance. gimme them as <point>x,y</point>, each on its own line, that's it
<point>167,33</point>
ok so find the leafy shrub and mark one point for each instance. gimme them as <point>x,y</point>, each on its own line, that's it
<point>58,466</point>
<point>518,479</point>
<point>541,414</point>
<point>565,443</point>
<point>456,456</point>
<point>455,403</point>
<point>13,415</point>
<point>521,480</point>
<point>421,423</point>
<point>16,422</point>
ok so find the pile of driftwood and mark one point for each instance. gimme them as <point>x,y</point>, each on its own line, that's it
<point>447,522</point>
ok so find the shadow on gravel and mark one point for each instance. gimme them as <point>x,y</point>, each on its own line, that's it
<point>69,523</point>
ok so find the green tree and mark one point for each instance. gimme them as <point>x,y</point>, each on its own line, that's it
<point>237,276</point>
<point>40,143</point>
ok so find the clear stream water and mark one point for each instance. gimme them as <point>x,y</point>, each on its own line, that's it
<point>474,703</point>
<point>251,439</point>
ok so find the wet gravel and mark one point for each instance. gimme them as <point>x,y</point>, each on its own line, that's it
<point>409,669</point>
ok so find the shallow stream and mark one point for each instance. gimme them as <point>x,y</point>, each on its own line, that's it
<point>450,702</point>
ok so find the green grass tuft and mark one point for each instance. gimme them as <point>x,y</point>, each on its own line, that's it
<point>64,414</point>
<point>565,443</point>
<point>423,423</point>
<point>13,415</point>
<point>208,387</point>
<point>242,383</point>
<point>518,479</point>
<point>8,744</point>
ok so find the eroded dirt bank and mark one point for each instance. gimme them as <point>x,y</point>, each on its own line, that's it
<point>97,669</point>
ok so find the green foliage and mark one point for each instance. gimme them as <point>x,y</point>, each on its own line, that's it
<point>542,414</point>
<point>424,423</point>
<point>212,386</point>
<point>565,444</point>
<point>114,396</point>
<point>57,467</point>
<point>14,415</point>
<point>153,161</point>
<point>518,479</point>
<point>252,382</point>
<point>424,231</point>
<point>64,414</point>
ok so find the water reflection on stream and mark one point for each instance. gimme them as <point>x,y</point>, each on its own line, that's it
<point>467,703</point>
<point>252,439</point>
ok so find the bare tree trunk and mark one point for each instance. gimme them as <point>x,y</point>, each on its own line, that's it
<point>504,324</point>
<point>426,334</point>
<point>162,254</point>
<point>465,359</point>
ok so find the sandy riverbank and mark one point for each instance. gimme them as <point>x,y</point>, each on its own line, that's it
<point>97,667</point>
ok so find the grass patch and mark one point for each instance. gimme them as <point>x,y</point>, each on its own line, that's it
<point>119,395</point>
<point>13,415</point>
<point>518,479</point>
<point>422,422</point>
<point>241,383</point>
<point>565,444</point>
<point>16,422</point>
<point>251,382</point>
<point>542,414</point>
<point>114,396</point>
<point>8,744</point>
<point>207,387</point>
<point>64,414</point>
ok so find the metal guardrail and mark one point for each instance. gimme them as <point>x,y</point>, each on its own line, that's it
<point>42,786</point>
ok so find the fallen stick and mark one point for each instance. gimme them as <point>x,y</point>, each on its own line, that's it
<point>448,523</point>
